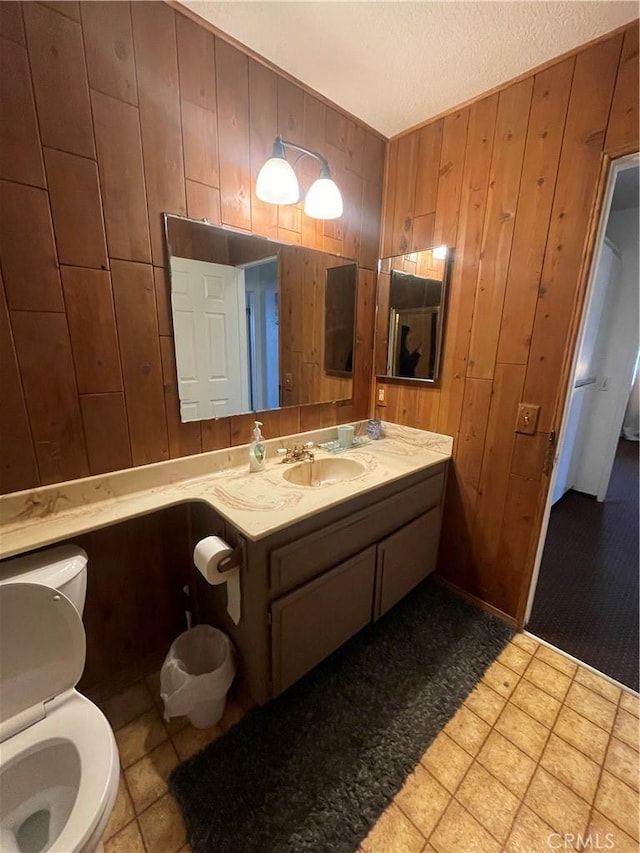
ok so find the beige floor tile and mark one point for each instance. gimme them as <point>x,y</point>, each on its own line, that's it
<point>552,801</point>
<point>147,778</point>
<point>578,772</point>
<point>122,813</point>
<point>608,832</point>
<point>423,800</point>
<point>630,703</point>
<point>153,684</point>
<point>233,713</point>
<point>428,849</point>
<point>619,803</point>
<point>488,801</point>
<point>191,740</point>
<point>579,732</point>
<point>485,702</point>
<point>501,679</point>
<point>515,658</point>
<point>623,761</point>
<point>128,840</point>
<point>393,832</point>
<point>527,643</point>
<point>556,660</point>
<point>591,705</point>
<point>522,730</point>
<point>598,684</point>
<point>507,763</point>
<point>162,827</point>
<point>529,834</point>
<point>468,730</point>
<point>140,737</point>
<point>548,678</point>
<point>446,761</point>
<point>536,702</point>
<point>627,728</point>
<point>458,831</point>
<point>127,705</point>
<point>175,724</point>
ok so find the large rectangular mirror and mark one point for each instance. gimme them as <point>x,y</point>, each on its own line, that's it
<point>258,324</point>
<point>411,302</point>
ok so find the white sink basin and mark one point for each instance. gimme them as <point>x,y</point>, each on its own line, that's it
<point>323,472</point>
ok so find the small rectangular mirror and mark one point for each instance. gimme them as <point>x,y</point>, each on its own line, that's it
<point>411,303</point>
<point>257,324</point>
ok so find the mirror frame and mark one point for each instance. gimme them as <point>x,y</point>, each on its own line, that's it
<point>239,232</point>
<point>383,320</point>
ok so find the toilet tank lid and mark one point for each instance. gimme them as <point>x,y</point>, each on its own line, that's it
<point>52,567</point>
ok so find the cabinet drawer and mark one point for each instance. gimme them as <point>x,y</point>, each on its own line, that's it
<point>405,558</point>
<point>310,623</point>
<point>301,560</point>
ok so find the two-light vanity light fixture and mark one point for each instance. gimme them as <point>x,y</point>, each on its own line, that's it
<point>277,183</point>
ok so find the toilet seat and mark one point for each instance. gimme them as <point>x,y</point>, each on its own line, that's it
<point>75,721</point>
<point>59,764</point>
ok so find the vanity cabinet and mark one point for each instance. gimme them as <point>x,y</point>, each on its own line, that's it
<point>310,587</point>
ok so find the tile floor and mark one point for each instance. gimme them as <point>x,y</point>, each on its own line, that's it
<point>542,755</point>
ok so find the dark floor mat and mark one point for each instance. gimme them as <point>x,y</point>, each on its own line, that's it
<point>314,769</point>
<point>586,600</point>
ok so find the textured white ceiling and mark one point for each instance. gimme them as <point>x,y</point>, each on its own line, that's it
<point>395,63</point>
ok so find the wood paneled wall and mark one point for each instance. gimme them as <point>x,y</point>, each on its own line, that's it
<point>511,182</point>
<point>111,114</point>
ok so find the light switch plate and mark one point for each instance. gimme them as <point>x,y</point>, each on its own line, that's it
<point>382,399</point>
<point>527,420</point>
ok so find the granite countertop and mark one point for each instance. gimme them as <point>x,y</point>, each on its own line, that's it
<point>256,504</point>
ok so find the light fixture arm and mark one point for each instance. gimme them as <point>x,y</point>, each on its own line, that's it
<point>278,151</point>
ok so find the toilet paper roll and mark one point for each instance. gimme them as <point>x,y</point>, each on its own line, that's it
<point>207,555</point>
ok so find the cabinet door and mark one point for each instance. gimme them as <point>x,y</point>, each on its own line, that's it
<point>405,558</point>
<point>311,622</point>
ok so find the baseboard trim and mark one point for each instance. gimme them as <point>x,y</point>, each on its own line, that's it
<point>477,601</point>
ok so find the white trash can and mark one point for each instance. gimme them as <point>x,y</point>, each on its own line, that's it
<point>197,674</point>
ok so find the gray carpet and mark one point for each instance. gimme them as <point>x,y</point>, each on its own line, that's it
<point>314,769</point>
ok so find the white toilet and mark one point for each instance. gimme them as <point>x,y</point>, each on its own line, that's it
<point>59,766</point>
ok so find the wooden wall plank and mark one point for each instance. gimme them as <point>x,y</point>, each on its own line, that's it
<point>60,80</point>
<point>578,172</point>
<point>404,194</point>
<point>74,192</point>
<point>108,42</point>
<point>11,23</point>
<point>291,127</point>
<point>515,541</point>
<point>232,88</point>
<point>70,8</point>
<point>163,301</point>
<point>20,154</point>
<point>502,199</point>
<point>184,439</point>
<point>46,366</point>
<point>121,178</point>
<point>154,38</point>
<point>370,225</point>
<point>542,156</point>
<point>428,169</point>
<point>134,298</point>
<point>92,328</point>
<point>216,434</point>
<point>263,129</point>
<point>105,426</point>
<point>452,153</point>
<point>196,63</point>
<point>27,249</point>
<point>18,468</point>
<point>200,141</point>
<point>466,262</point>
<point>622,130</point>
<point>203,202</point>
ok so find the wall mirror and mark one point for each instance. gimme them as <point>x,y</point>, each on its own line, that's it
<point>411,302</point>
<point>258,324</point>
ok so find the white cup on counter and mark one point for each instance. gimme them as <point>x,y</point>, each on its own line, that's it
<point>345,435</point>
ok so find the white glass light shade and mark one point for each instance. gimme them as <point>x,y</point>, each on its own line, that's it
<point>277,182</point>
<point>323,200</point>
<point>440,253</point>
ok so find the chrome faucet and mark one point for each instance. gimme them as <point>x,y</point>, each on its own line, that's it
<point>297,454</point>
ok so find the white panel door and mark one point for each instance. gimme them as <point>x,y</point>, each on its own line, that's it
<point>210,335</point>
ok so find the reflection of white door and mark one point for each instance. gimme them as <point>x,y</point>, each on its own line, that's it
<point>210,336</point>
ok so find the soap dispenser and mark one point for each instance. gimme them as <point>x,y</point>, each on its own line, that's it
<point>256,450</point>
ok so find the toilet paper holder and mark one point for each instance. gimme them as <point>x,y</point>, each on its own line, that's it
<point>234,560</point>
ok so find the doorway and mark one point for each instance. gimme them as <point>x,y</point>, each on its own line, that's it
<point>261,294</point>
<point>584,593</point>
